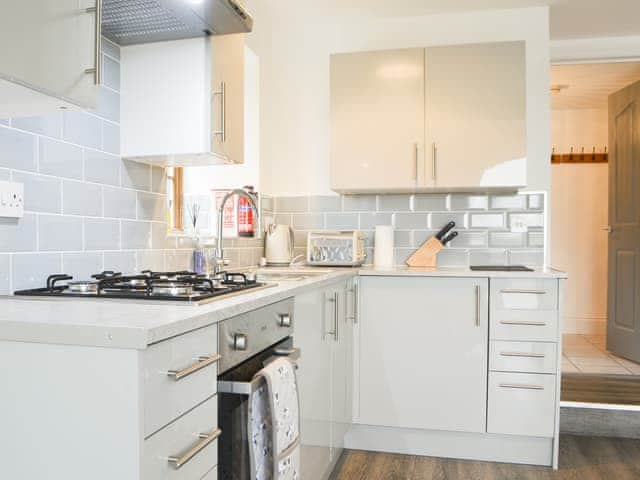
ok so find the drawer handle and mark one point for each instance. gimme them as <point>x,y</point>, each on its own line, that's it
<point>515,322</point>
<point>206,439</point>
<point>202,363</point>
<point>522,354</point>
<point>531,292</point>
<point>521,386</point>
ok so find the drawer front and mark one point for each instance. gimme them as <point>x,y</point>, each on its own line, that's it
<point>524,325</point>
<point>526,357</point>
<point>179,373</point>
<point>187,449</point>
<point>524,294</point>
<point>521,404</point>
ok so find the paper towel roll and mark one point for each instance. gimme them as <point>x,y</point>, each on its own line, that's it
<point>383,246</point>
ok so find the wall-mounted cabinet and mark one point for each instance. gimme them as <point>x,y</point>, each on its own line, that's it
<point>451,117</point>
<point>49,56</point>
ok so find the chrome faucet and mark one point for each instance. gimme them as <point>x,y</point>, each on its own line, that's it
<point>219,260</point>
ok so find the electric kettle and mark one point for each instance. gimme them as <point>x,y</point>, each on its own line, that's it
<point>278,245</point>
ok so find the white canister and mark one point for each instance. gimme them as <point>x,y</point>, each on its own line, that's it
<point>383,246</point>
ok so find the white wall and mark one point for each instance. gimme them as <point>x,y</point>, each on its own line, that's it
<point>294,48</point>
<point>580,128</point>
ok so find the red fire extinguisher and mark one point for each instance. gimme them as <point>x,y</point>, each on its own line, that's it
<point>245,215</point>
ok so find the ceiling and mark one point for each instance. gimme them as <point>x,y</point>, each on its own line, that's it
<point>589,86</point>
<point>569,18</point>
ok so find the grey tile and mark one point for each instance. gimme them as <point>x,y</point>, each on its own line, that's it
<point>341,221</point>
<point>124,262</point>
<point>421,236</point>
<point>368,256</point>
<point>533,258</point>
<point>181,242</point>
<point>536,239</point>
<point>18,150</point>
<point>268,203</point>
<point>60,159</point>
<point>136,175</point>
<point>178,260</point>
<point>369,237</point>
<point>394,203</point>
<point>508,202</point>
<point>58,233</point>
<point>469,202</point>
<point>5,274</point>
<point>536,201</point>
<point>283,219</point>
<point>111,73</point>
<point>402,254</point>
<point>453,258</point>
<point>119,203</point>
<point>470,240</point>
<point>83,129</point>
<point>150,260</point>
<point>411,221</point>
<point>402,238</point>
<point>81,265</point>
<point>101,234</point>
<point>108,104</point>
<point>507,239</point>
<point>532,220</point>
<point>82,198</point>
<point>159,180</point>
<point>111,138</point>
<point>300,238</point>
<point>5,174</point>
<point>292,204</point>
<point>30,270</point>
<point>329,203</point>
<point>136,235</point>
<point>308,221</point>
<point>488,257</point>
<point>41,194</point>
<point>18,234</point>
<point>439,220</point>
<point>110,48</point>
<point>101,167</point>
<point>359,203</point>
<point>487,220</point>
<point>151,206</point>
<point>160,238</point>
<point>372,220</point>
<point>430,202</point>
<point>49,125</point>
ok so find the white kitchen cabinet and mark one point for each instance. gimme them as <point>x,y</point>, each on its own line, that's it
<point>49,56</point>
<point>423,353</point>
<point>377,120</point>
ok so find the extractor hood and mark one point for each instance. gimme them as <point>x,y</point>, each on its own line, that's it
<point>130,22</point>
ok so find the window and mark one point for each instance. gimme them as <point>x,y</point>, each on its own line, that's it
<point>174,198</point>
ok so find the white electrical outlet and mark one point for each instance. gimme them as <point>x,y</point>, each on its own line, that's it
<point>11,200</point>
<point>519,225</point>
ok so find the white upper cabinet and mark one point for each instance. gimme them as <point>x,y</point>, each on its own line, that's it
<point>476,115</point>
<point>49,56</point>
<point>377,120</point>
<point>451,117</point>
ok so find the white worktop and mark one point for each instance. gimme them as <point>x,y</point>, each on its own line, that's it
<point>137,324</point>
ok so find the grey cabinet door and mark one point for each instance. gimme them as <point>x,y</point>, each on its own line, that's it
<point>48,45</point>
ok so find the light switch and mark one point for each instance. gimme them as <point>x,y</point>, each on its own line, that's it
<point>11,199</point>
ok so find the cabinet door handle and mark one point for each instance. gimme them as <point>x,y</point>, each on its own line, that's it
<point>530,292</point>
<point>516,322</point>
<point>205,440</point>
<point>521,386</point>
<point>199,365</point>
<point>434,166</point>
<point>97,70</point>
<point>478,307</point>
<point>354,292</point>
<point>222,93</point>
<point>336,315</point>
<point>522,354</point>
<point>331,332</point>
<point>415,163</point>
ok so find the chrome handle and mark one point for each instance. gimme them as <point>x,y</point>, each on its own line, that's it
<point>522,354</point>
<point>331,332</point>
<point>531,292</point>
<point>515,322</point>
<point>239,341</point>
<point>354,293</point>
<point>202,363</point>
<point>285,320</point>
<point>97,71</point>
<point>415,163</point>
<point>206,439</point>
<point>336,315</point>
<point>222,93</point>
<point>477,305</point>
<point>434,166</point>
<point>608,229</point>
<point>521,387</point>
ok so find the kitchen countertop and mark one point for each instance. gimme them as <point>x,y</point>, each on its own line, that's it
<point>135,324</point>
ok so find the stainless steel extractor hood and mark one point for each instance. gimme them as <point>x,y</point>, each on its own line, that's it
<point>129,22</point>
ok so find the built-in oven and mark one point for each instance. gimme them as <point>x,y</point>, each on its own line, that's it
<point>247,343</point>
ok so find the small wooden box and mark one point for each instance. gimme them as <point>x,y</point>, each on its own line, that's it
<point>427,254</point>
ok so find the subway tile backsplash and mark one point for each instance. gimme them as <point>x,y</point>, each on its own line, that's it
<point>483,223</point>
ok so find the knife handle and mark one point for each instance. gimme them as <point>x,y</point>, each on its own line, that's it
<point>450,237</point>
<point>446,229</point>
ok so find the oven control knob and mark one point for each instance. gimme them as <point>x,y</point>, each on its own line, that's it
<point>285,320</point>
<point>239,341</point>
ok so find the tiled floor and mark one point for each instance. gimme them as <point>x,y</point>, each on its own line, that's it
<point>588,354</point>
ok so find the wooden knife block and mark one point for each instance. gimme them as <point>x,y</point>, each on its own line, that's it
<point>427,254</point>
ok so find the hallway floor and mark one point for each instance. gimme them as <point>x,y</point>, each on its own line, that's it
<point>588,354</point>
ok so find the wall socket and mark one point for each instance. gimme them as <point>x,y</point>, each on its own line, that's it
<point>11,200</point>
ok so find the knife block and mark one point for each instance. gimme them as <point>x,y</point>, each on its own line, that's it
<point>427,254</point>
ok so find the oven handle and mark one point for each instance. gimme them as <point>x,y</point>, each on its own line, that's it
<point>247,388</point>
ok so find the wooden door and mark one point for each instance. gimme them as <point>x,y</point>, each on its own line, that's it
<point>423,353</point>
<point>623,317</point>
<point>377,120</point>
<point>476,115</point>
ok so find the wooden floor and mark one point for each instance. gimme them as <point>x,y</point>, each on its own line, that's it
<point>581,458</point>
<point>618,389</point>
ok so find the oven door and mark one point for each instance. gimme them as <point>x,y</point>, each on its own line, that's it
<point>234,389</point>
